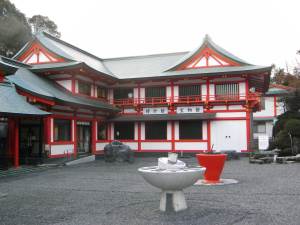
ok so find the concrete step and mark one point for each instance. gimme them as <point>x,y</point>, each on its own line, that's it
<point>85,159</point>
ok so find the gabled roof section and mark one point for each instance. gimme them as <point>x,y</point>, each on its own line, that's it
<point>12,104</point>
<point>54,50</point>
<point>9,66</point>
<point>48,89</point>
<point>209,54</point>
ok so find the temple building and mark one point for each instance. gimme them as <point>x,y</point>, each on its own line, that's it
<point>76,103</point>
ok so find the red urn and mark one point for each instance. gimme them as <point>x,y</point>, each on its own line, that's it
<point>214,164</point>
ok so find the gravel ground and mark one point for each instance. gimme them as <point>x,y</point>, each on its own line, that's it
<point>113,194</point>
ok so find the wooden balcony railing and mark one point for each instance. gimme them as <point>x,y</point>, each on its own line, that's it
<point>193,99</point>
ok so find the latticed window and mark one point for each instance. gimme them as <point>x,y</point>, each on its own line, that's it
<point>152,92</point>
<point>156,130</point>
<point>62,130</point>
<point>190,129</point>
<point>101,92</point>
<point>123,93</point>
<point>124,130</point>
<point>190,90</point>
<point>227,91</point>
<point>102,131</point>
<point>84,88</point>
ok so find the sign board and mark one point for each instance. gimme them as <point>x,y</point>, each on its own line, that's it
<point>83,123</point>
<point>190,109</point>
<point>156,110</point>
<point>263,142</point>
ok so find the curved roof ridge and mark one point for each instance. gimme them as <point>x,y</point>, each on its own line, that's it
<point>207,42</point>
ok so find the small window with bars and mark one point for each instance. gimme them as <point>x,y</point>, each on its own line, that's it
<point>84,88</point>
<point>228,91</point>
<point>190,92</point>
<point>155,94</point>
<point>101,92</point>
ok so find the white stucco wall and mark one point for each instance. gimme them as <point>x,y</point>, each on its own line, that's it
<point>67,84</point>
<point>229,135</point>
<point>62,149</point>
<point>269,108</point>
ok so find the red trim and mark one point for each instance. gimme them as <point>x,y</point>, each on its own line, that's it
<point>139,136</point>
<point>62,142</point>
<point>206,52</point>
<point>173,135</point>
<point>34,99</point>
<point>16,143</point>
<point>230,118</point>
<point>94,135</point>
<point>208,135</point>
<point>248,130</point>
<point>75,138</point>
<point>36,48</point>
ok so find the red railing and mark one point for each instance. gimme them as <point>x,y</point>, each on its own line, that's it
<point>186,99</point>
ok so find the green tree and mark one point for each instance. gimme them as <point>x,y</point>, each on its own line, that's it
<point>14,29</point>
<point>43,23</point>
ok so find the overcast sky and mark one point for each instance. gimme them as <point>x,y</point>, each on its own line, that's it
<point>259,31</point>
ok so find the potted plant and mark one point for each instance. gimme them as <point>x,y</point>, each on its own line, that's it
<point>214,164</point>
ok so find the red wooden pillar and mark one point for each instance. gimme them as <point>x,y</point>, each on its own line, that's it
<point>16,143</point>
<point>248,128</point>
<point>208,136</point>
<point>74,126</point>
<point>173,135</point>
<point>139,136</point>
<point>94,135</point>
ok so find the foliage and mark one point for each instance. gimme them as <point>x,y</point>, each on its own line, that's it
<point>14,29</point>
<point>287,79</point>
<point>43,23</point>
<point>292,101</point>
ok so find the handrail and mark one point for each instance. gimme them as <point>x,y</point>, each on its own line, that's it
<point>187,99</point>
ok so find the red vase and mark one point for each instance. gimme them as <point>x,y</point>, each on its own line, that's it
<point>214,164</point>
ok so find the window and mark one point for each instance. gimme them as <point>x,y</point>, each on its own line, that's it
<point>190,129</point>
<point>259,127</point>
<point>124,131</point>
<point>156,130</point>
<point>84,88</point>
<point>189,90</point>
<point>101,92</point>
<point>62,130</point>
<point>101,131</point>
<point>151,92</point>
<point>123,93</point>
<point>227,91</point>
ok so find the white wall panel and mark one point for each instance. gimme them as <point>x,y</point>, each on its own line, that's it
<point>204,130</point>
<point>169,130</point>
<point>269,108</point>
<point>242,90</point>
<point>229,135</point>
<point>142,131</point>
<point>156,146</point>
<point>100,146</point>
<point>142,92</point>
<point>231,114</point>
<point>203,91</point>
<point>62,149</point>
<point>176,130</point>
<point>136,131</point>
<point>132,145</point>
<point>67,84</point>
<point>190,146</point>
<point>235,107</point>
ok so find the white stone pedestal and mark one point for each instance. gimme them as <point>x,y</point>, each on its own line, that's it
<point>178,201</point>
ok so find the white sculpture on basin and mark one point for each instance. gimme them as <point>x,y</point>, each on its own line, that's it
<point>171,176</point>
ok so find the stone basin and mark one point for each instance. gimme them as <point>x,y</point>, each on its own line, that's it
<point>172,182</point>
<point>171,179</point>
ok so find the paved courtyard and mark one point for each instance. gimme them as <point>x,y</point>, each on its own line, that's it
<point>104,193</point>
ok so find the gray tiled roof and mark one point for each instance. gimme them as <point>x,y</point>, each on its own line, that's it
<point>207,42</point>
<point>43,87</point>
<point>142,66</point>
<point>12,104</point>
<point>67,51</point>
